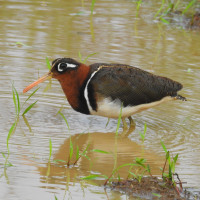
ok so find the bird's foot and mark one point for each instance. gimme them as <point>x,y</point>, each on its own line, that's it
<point>126,131</point>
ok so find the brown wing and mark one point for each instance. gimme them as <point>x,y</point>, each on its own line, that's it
<point>131,85</point>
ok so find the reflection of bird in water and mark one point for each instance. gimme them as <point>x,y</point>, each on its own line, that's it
<point>110,89</point>
<point>121,151</point>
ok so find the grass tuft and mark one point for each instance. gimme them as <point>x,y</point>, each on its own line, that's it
<point>171,164</point>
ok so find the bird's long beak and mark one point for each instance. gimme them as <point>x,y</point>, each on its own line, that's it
<point>40,80</point>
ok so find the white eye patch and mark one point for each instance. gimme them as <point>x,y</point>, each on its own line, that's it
<point>71,65</point>
<point>63,66</point>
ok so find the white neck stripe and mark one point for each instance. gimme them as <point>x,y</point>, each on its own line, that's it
<point>86,90</point>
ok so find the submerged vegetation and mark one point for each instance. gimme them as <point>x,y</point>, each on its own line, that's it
<point>170,9</point>
<point>176,8</point>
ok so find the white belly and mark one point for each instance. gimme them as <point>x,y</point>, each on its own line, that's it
<point>112,109</point>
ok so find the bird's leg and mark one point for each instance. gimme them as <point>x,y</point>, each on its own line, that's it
<point>132,126</point>
<point>132,123</point>
<point>125,127</point>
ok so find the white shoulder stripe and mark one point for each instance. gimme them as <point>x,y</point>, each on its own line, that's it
<point>86,90</point>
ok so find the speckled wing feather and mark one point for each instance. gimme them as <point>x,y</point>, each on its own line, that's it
<point>131,85</point>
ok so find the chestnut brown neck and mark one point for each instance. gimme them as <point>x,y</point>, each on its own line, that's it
<point>72,82</point>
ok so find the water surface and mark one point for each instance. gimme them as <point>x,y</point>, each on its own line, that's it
<point>62,29</point>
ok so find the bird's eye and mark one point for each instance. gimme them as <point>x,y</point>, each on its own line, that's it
<point>62,67</point>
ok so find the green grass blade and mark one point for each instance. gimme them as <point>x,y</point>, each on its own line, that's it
<point>140,161</point>
<point>133,174</point>
<point>170,172</point>
<point>48,63</point>
<point>80,56</point>
<point>100,151</point>
<point>77,152</point>
<point>167,155</point>
<point>148,169</point>
<point>138,4</point>
<point>85,156</point>
<point>172,167</point>
<point>175,158</point>
<point>26,122</point>
<point>163,146</point>
<point>142,136</point>
<point>176,5</point>
<point>119,120</point>
<point>84,61</point>
<point>18,102</point>
<point>9,135</point>
<point>58,160</point>
<point>85,150</point>
<point>191,3</point>
<point>29,107</point>
<point>21,44</point>
<point>3,155</point>
<point>124,165</point>
<point>14,99</point>
<point>90,177</point>
<point>50,149</point>
<point>173,164</point>
<point>160,9</point>
<point>92,6</point>
<point>145,129</point>
<point>164,20</point>
<point>64,119</point>
<point>93,176</point>
<point>119,178</point>
<point>55,197</point>
<point>32,94</point>
<point>70,149</point>
<point>157,195</point>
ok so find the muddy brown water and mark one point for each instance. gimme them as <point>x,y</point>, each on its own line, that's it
<point>62,29</point>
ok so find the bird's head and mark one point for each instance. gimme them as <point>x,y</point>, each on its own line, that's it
<point>61,67</point>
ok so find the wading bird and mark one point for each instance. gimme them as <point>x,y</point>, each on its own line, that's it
<point>110,89</point>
